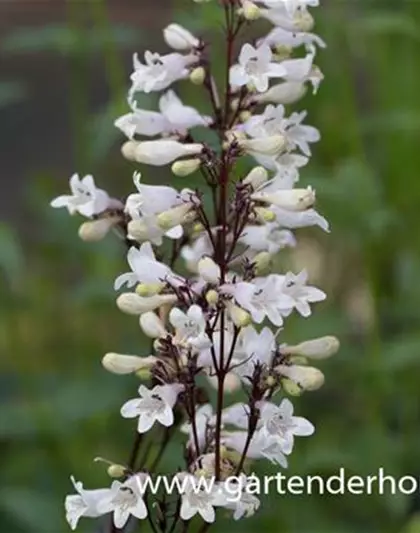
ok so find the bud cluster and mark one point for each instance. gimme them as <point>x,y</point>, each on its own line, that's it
<point>219,325</point>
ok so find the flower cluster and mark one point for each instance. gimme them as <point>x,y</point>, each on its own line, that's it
<point>220,319</point>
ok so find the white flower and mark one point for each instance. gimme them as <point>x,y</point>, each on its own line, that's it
<point>294,286</point>
<point>204,420</point>
<point>84,503</point>
<point>274,122</point>
<point>85,198</point>
<point>256,348</point>
<point>240,500</point>
<point>255,67</point>
<point>268,237</point>
<point>150,199</point>
<point>124,499</point>
<point>145,269</point>
<point>299,21</point>
<point>300,219</point>
<point>263,298</point>
<point>287,92</point>
<point>199,499</point>
<point>280,37</point>
<point>174,118</point>
<point>159,71</point>
<point>155,405</point>
<point>290,6</point>
<point>190,327</point>
<point>279,424</point>
<point>259,448</point>
<point>179,38</point>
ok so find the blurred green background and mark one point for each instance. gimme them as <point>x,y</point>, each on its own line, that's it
<point>63,81</point>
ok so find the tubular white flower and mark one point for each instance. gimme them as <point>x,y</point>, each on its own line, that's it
<point>179,38</point>
<point>292,200</point>
<point>162,152</point>
<point>127,364</point>
<point>85,197</point>
<point>133,304</point>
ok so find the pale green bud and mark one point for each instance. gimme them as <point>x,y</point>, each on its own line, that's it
<point>152,325</point>
<point>291,388</point>
<point>239,316</point>
<point>262,262</point>
<point>264,214</point>
<point>197,76</point>
<point>96,230</point>
<point>257,177</point>
<point>212,297</point>
<point>116,471</point>
<point>185,167</point>
<point>149,289</point>
<point>250,11</point>
<point>175,216</point>
<point>121,364</point>
<point>307,377</point>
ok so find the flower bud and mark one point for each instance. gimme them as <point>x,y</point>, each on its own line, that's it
<point>303,20</point>
<point>250,11</point>
<point>149,289</point>
<point>116,471</point>
<point>262,262</point>
<point>272,145</point>
<point>257,177</point>
<point>137,230</point>
<point>133,304</point>
<point>298,360</point>
<point>264,214</point>
<point>128,150</point>
<point>212,297</point>
<point>282,52</point>
<point>290,387</point>
<point>185,167</point>
<point>96,230</point>
<point>290,199</point>
<point>197,76</point>
<point>152,325</point>
<point>162,152</point>
<point>244,116</point>
<point>307,377</point>
<point>208,270</point>
<point>285,93</point>
<point>126,364</point>
<point>239,316</point>
<point>321,348</point>
<point>179,38</point>
<point>175,216</point>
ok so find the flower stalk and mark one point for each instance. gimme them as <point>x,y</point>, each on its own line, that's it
<point>220,322</point>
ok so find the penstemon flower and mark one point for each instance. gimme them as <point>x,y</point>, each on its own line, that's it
<point>221,321</point>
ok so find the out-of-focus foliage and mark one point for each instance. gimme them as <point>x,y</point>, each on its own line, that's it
<point>59,409</point>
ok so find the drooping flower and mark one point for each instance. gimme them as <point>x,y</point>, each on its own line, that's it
<point>174,118</point>
<point>84,503</point>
